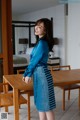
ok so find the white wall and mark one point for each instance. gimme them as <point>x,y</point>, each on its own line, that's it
<point>66,28</point>
<point>73,49</point>
<point>57,13</point>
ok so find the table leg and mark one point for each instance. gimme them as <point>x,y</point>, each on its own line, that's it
<point>16,104</point>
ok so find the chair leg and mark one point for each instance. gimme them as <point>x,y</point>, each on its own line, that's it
<point>19,97</point>
<point>5,90</point>
<point>6,109</point>
<point>79,98</point>
<point>28,106</point>
<point>63,103</point>
<point>68,94</point>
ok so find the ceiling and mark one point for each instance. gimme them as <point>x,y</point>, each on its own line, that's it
<point>25,6</point>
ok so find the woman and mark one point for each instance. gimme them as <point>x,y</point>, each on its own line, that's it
<point>44,97</point>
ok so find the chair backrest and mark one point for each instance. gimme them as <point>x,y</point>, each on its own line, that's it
<point>56,68</point>
<point>64,67</point>
<point>3,85</point>
<point>20,71</point>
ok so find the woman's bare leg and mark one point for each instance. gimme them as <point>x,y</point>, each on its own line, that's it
<point>42,116</point>
<point>50,115</point>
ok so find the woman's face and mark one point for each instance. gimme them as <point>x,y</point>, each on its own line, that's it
<point>40,30</point>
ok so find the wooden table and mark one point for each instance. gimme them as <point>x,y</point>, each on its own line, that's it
<point>15,81</point>
<point>66,77</point>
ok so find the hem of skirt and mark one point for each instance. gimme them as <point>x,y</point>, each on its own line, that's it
<point>42,110</point>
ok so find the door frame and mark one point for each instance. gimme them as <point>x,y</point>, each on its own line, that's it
<point>7,50</point>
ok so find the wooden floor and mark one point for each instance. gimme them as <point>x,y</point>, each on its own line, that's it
<point>71,113</point>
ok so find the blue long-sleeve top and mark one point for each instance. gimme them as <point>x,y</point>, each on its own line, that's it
<point>39,56</point>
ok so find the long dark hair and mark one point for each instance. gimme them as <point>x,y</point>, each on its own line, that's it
<point>48,29</point>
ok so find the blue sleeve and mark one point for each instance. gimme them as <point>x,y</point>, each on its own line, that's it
<point>38,54</point>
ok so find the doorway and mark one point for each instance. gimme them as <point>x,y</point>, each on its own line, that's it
<point>1,55</point>
<point>6,59</point>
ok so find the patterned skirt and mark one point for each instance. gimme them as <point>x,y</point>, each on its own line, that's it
<point>44,97</point>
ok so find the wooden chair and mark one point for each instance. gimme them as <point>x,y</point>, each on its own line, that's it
<point>6,99</point>
<point>20,71</point>
<point>29,93</point>
<point>67,87</point>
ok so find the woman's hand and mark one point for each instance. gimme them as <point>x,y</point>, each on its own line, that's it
<point>27,79</point>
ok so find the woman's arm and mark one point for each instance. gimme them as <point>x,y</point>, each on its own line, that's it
<point>38,54</point>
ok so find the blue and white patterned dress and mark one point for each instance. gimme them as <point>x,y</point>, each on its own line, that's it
<point>44,96</point>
